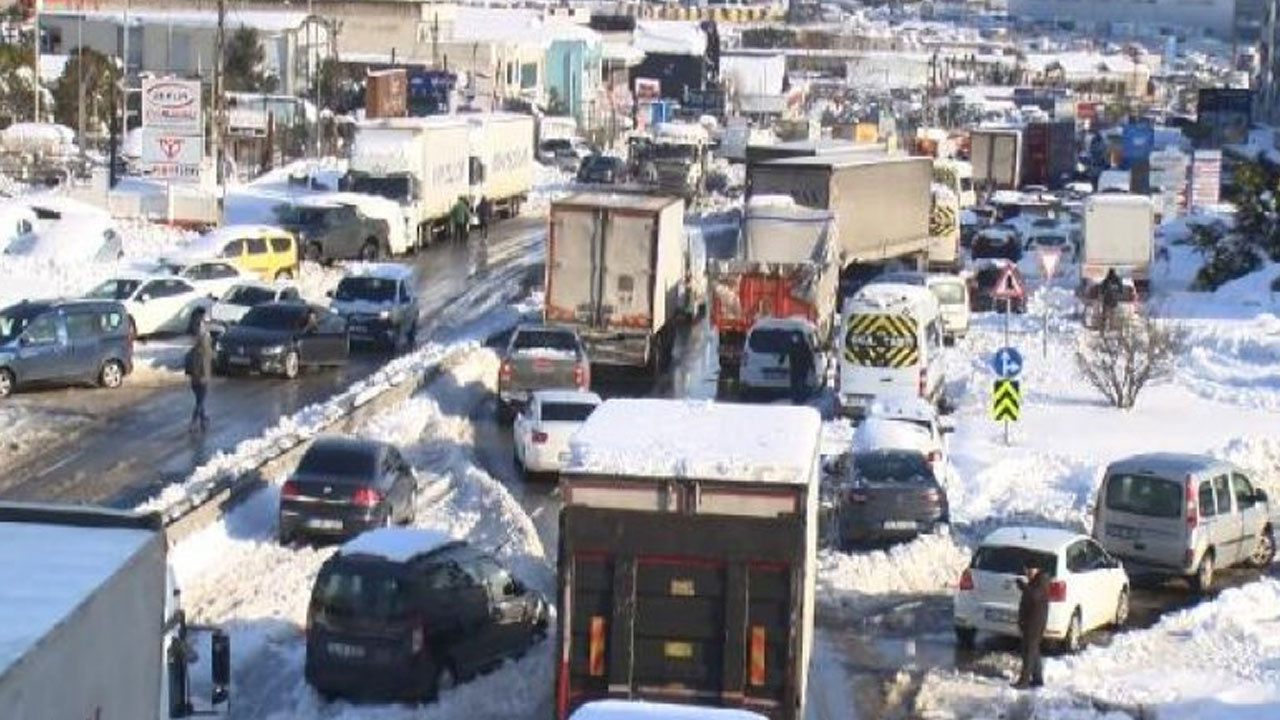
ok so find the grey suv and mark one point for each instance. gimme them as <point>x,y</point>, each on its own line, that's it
<point>336,231</point>
<point>380,305</point>
<point>64,341</point>
<point>1183,516</point>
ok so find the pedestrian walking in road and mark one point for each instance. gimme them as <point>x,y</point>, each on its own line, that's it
<point>1112,289</point>
<point>800,362</point>
<point>484,213</point>
<point>199,367</point>
<point>459,219</point>
<point>1033,614</point>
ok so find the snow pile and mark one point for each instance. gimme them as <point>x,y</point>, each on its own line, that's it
<point>549,183</point>
<point>851,584</point>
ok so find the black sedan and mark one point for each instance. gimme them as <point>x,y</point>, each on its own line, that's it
<point>602,169</point>
<point>343,486</point>
<point>281,338</point>
<point>890,495</point>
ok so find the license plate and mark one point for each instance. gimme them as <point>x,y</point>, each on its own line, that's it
<point>324,524</point>
<point>239,360</point>
<point>677,650</point>
<point>899,524</point>
<point>1122,532</point>
<point>1001,616</point>
<point>345,650</point>
<point>357,328</point>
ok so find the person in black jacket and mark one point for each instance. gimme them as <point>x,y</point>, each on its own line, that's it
<point>1112,289</point>
<point>800,362</point>
<point>1033,614</point>
<point>199,368</point>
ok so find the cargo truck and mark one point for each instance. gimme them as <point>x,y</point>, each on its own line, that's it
<point>687,556</point>
<point>1049,153</point>
<point>1119,234</point>
<point>90,625</point>
<point>786,265</point>
<point>881,203</point>
<point>420,163</point>
<point>616,273</point>
<point>996,156</point>
<point>501,162</point>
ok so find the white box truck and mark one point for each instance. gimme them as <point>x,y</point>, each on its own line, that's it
<point>1119,234</point>
<point>615,271</point>
<point>686,569</point>
<point>90,625</point>
<point>420,163</point>
<point>996,156</point>
<point>501,160</point>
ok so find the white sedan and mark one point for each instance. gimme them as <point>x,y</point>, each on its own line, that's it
<point>214,277</point>
<point>1088,588</point>
<point>542,430</point>
<point>155,303</point>
<point>239,298</point>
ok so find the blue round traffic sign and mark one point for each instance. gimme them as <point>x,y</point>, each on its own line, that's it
<point>1007,362</point>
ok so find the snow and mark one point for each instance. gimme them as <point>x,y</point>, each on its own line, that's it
<point>271,22</point>
<point>637,710</point>
<point>695,439</point>
<point>398,545</point>
<point>669,37</point>
<point>47,571</point>
<point>876,433</point>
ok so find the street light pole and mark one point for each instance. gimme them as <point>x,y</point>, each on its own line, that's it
<point>36,58</point>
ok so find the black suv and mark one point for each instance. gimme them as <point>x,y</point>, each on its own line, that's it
<point>336,231</point>
<point>402,614</point>
<point>603,169</point>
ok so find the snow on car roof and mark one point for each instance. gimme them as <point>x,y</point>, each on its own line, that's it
<point>639,710</point>
<point>881,433</point>
<point>48,571</point>
<point>1033,538</point>
<point>787,323</point>
<point>576,397</point>
<point>396,544</point>
<point>698,439</point>
<point>385,271</point>
<point>907,407</point>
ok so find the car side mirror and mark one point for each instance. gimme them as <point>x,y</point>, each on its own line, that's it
<point>1260,496</point>
<point>143,297</point>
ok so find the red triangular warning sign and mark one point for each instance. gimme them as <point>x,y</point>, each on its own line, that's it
<point>1007,287</point>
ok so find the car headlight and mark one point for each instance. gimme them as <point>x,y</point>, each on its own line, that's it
<point>384,315</point>
<point>273,350</point>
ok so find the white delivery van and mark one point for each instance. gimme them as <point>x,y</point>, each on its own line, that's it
<point>891,345</point>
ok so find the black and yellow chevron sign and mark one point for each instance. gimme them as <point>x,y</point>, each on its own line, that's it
<point>1006,400</point>
<point>881,340</point>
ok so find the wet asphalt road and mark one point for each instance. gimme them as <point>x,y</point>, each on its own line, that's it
<point>136,440</point>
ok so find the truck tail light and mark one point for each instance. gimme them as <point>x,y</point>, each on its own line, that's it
<point>921,382</point>
<point>931,495</point>
<point>756,656</point>
<point>1058,591</point>
<point>1193,512</point>
<point>290,489</point>
<point>504,372</point>
<point>595,647</point>
<point>538,437</point>
<point>366,497</point>
<point>966,580</point>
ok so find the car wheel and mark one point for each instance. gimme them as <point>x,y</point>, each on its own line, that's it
<point>284,275</point>
<point>1202,583</point>
<point>111,376</point>
<point>1122,608</point>
<point>6,382</point>
<point>965,637</point>
<point>313,253</point>
<point>291,364</point>
<point>370,251</point>
<point>445,680</point>
<point>1075,638</point>
<point>1265,551</point>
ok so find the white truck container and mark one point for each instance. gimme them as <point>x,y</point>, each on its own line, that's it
<point>420,163</point>
<point>996,156</point>
<point>615,271</point>
<point>688,539</point>
<point>501,162</point>
<point>89,621</point>
<point>1119,234</point>
<point>881,202</point>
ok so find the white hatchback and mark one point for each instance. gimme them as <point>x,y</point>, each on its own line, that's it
<point>1088,588</point>
<point>542,429</point>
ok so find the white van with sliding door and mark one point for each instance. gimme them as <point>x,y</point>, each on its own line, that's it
<point>890,346</point>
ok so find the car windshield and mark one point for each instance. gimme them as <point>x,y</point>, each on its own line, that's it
<point>1009,560</point>
<point>371,289</point>
<point>12,323</point>
<point>114,290</point>
<point>566,412</point>
<point>275,317</point>
<point>903,467</point>
<point>988,277</point>
<point>557,144</point>
<point>1144,495</point>
<point>248,295</point>
<point>366,593</point>
<point>391,188</point>
<point>550,339</point>
<point>948,293</point>
<point>1050,240</point>
<point>337,460</point>
<point>773,340</point>
<point>300,217</point>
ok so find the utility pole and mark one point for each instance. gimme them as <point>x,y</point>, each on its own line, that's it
<point>80,80</point>
<point>218,49</point>
<point>124,74</point>
<point>35,34</point>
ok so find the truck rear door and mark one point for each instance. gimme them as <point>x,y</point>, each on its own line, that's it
<point>626,271</point>
<point>573,271</point>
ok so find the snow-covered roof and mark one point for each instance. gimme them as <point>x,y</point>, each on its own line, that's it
<point>882,433</point>
<point>669,37</point>
<point>638,710</point>
<point>1044,539</point>
<point>269,21</point>
<point>882,296</point>
<point>385,271</point>
<point>904,407</point>
<point>511,25</point>
<point>1171,463</point>
<point>396,544</point>
<point>46,571</point>
<point>624,53</point>
<point>695,439</point>
<point>777,323</point>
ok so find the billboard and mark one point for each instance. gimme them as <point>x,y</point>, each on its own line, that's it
<point>172,105</point>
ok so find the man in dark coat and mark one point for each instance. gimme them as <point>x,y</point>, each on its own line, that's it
<point>1112,289</point>
<point>800,362</point>
<point>199,367</point>
<point>1033,614</point>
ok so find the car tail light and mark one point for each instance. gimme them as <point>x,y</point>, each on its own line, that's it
<point>1188,557</point>
<point>920,382</point>
<point>539,437</point>
<point>966,580</point>
<point>933,456</point>
<point>1193,512</point>
<point>504,373</point>
<point>290,490</point>
<point>366,497</point>
<point>1058,591</point>
<point>580,376</point>
<point>931,495</point>
<point>858,496</point>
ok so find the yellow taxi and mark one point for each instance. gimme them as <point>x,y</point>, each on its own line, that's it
<point>267,251</point>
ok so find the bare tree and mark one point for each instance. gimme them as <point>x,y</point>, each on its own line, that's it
<point>1123,359</point>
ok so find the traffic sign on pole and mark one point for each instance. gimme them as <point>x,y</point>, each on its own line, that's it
<point>1007,362</point>
<point>1006,400</point>
<point>1007,287</point>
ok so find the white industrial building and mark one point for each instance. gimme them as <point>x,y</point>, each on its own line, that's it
<point>1132,17</point>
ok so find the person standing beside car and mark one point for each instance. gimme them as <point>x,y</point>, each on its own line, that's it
<point>1033,615</point>
<point>199,367</point>
<point>800,362</point>
<point>1112,288</point>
